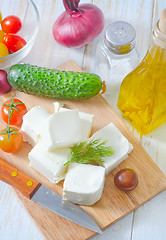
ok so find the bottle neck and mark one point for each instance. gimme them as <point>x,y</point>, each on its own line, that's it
<point>156,54</point>
<point>159,38</point>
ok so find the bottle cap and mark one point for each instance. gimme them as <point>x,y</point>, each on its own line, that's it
<point>120,37</point>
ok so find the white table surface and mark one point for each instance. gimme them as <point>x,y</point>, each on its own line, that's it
<point>148,221</point>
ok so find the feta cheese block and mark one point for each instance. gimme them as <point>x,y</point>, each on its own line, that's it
<point>32,122</point>
<point>86,121</point>
<point>119,143</point>
<point>61,129</point>
<point>49,163</point>
<point>83,183</point>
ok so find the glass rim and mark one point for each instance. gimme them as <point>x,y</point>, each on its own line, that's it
<point>13,55</point>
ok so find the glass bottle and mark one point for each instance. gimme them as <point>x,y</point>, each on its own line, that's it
<point>116,54</point>
<point>142,97</point>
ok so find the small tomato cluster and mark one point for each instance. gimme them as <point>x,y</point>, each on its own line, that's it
<point>11,138</point>
<point>10,42</point>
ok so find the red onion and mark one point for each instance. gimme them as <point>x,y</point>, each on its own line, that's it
<point>78,25</point>
<point>4,84</point>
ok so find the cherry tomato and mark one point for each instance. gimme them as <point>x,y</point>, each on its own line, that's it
<point>13,144</point>
<point>0,17</point>
<point>1,35</point>
<point>126,179</point>
<point>13,104</point>
<point>13,42</point>
<point>3,50</point>
<point>11,24</point>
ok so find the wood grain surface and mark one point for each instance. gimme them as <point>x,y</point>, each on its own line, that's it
<point>114,204</point>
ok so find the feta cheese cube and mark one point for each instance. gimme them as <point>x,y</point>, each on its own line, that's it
<point>32,122</point>
<point>61,129</point>
<point>49,163</point>
<point>86,121</point>
<point>118,142</point>
<point>83,183</point>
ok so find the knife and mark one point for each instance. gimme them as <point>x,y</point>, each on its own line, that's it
<point>44,196</point>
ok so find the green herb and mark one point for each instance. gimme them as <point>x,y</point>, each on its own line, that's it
<point>91,152</point>
<point>9,130</point>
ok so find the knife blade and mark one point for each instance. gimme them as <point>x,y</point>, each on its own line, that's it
<point>44,196</point>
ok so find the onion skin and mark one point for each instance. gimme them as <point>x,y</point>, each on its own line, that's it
<point>4,84</point>
<point>78,28</point>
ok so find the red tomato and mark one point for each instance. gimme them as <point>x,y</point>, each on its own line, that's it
<point>13,42</point>
<point>13,104</point>
<point>11,24</point>
<point>126,179</point>
<point>13,144</point>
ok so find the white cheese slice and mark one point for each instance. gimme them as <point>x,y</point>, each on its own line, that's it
<point>86,121</point>
<point>50,163</point>
<point>130,148</point>
<point>61,129</point>
<point>119,143</point>
<point>83,183</point>
<point>57,106</point>
<point>32,122</point>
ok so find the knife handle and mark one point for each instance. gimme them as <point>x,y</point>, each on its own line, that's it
<point>11,175</point>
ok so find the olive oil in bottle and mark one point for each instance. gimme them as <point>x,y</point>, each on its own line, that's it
<point>142,97</point>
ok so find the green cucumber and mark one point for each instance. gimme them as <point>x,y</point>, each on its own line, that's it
<point>52,83</point>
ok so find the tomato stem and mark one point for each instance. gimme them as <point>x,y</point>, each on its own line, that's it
<point>12,107</point>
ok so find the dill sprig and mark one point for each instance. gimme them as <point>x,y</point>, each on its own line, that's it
<point>90,152</point>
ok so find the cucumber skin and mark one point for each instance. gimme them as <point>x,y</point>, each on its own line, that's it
<point>52,83</point>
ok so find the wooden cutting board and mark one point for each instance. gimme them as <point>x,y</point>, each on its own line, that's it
<point>114,204</point>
